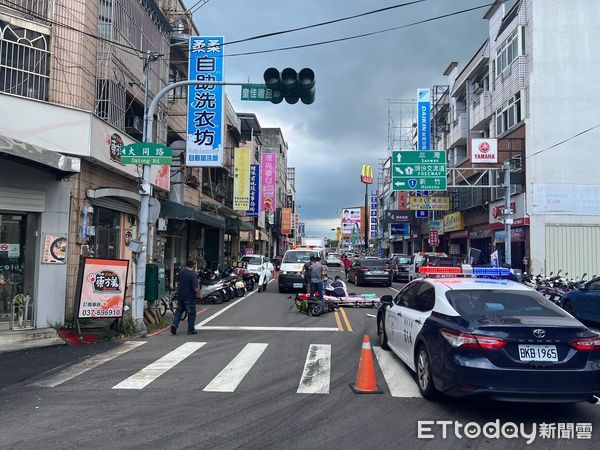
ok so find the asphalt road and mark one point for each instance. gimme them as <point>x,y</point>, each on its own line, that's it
<point>257,375</point>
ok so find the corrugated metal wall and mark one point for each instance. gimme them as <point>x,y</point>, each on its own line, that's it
<point>573,248</point>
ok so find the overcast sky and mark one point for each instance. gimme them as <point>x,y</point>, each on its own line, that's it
<point>346,126</point>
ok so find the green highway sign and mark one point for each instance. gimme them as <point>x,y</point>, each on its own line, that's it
<point>149,160</point>
<point>146,153</point>
<point>414,170</point>
<point>256,92</point>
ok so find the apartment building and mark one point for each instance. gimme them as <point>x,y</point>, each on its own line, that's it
<point>522,87</point>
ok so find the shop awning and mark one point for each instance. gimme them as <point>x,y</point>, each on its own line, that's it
<point>63,165</point>
<point>174,210</point>
<point>237,224</point>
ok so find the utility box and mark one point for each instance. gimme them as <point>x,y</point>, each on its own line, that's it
<point>155,281</point>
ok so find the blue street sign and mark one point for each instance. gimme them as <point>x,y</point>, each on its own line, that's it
<point>205,103</point>
<point>422,214</point>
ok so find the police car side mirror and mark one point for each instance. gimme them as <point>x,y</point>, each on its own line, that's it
<point>386,300</point>
<point>583,287</point>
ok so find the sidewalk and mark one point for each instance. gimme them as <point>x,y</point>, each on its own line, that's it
<point>12,341</point>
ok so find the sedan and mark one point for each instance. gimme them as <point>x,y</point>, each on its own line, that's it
<point>364,271</point>
<point>400,265</point>
<point>584,302</point>
<point>493,338</point>
<point>333,260</point>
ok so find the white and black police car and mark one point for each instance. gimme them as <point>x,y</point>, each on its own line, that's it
<point>466,331</point>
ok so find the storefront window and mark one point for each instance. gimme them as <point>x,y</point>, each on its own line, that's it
<point>108,231</point>
<point>12,260</point>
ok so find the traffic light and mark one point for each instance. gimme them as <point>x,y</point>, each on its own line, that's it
<point>291,85</point>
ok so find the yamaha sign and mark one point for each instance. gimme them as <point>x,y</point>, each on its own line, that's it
<point>484,151</point>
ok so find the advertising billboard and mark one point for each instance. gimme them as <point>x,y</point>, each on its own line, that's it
<point>103,288</point>
<point>351,220</point>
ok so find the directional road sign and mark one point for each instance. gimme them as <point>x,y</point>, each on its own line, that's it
<point>146,153</point>
<point>256,92</point>
<point>419,170</point>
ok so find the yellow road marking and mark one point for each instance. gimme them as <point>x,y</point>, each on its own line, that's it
<point>338,321</point>
<point>346,320</point>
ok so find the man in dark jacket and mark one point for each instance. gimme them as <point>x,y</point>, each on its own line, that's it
<point>306,274</point>
<point>188,289</point>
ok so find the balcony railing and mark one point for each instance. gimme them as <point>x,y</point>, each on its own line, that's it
<point>481,111</point>
<point>458,131</point>
<point>30,8</point>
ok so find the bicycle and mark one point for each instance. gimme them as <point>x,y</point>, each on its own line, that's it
<point>168,303</point>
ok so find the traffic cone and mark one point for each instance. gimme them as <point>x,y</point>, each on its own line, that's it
<point>365,378</point>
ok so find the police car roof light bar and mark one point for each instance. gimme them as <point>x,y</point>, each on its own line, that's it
<point>466,271</point>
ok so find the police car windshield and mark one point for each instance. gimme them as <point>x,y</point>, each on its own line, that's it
<point>299,256</point>
<point>252,260</point>
<point>489,305</point>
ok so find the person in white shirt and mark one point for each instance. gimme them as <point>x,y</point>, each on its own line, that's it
<point>266,273</point>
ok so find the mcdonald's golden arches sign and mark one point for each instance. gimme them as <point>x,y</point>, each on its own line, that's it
<point>366,174</point>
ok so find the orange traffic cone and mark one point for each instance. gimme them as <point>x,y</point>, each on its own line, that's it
<point>365,378</point>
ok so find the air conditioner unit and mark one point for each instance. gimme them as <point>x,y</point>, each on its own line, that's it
<point>478,87</point>
<point>135,124</point>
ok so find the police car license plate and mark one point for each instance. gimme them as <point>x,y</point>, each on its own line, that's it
<point>297,285</point>
<point>538,353</point>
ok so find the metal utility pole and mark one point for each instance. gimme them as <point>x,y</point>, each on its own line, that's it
<point>138,299</point>
<point>367,227</point>
<point>507,214</point>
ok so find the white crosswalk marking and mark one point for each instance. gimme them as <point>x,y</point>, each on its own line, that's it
<point>317,370</point>
<point>232,375</point>
<point>396,375</point>
<point>94,361</point>
<point>151,372</point>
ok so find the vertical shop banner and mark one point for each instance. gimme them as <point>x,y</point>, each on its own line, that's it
<point>351,220</point>
<point>423,119</point>
<point>301,228</point>
<point>253,201</point>
<point>402,200</point>
<point>241,179</point>
<point>205,103</point>
<point>374,215</point>
<point>286,221</point>
<point>268,175</point>
<point>103,288</point>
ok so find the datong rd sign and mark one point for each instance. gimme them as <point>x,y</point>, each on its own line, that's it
<point>419,170</point>
<point>146,153</point>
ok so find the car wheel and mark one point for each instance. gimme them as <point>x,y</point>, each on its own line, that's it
<point>381,334</point>
<point>568,307</point>
<point>424,377</point>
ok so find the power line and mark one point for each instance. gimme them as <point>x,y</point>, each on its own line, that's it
<point>124,47</point>
<point>564,140</point>
<point>347,38</point>
<point>320,24</point>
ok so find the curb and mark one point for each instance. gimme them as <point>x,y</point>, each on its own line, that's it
<point>162,330</point>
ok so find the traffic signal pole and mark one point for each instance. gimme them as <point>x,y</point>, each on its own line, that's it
<point>148,136</point>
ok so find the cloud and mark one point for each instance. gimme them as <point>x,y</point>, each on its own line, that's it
<point>348,123</point>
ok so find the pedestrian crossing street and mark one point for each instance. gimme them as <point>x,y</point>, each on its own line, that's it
<point>314,378</point>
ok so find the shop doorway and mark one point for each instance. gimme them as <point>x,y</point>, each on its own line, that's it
<point>17,239</point>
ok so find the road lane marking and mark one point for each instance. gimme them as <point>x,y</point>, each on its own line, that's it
<point>348,327</point>
<point>338,321</point>
<point>151,372</point>
<point>395,290</point>
<point>80,368</point>
<point>396,375</point>
<point>245,328</point>
<point>231,376</point>
<point>221,311</point>
<point>317,370</point>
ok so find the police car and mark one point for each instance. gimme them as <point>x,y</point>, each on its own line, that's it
<point>465,331</point>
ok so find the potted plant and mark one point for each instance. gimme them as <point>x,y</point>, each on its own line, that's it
<point>19,306</point>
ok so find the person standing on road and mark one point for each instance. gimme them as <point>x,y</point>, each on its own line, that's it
<point>188,289</point>
<point>266,274</point>
<point>346,263</point>
<point>317,270</point>
<point>306,273</point>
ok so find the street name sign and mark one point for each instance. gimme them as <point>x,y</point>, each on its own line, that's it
<point>146,153</point>
<point>414,170</point>
<point>256,92</point>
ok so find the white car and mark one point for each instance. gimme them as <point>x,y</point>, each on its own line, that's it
<point>472,333</point>
<point>333,260</point>
<point>254,264</point>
